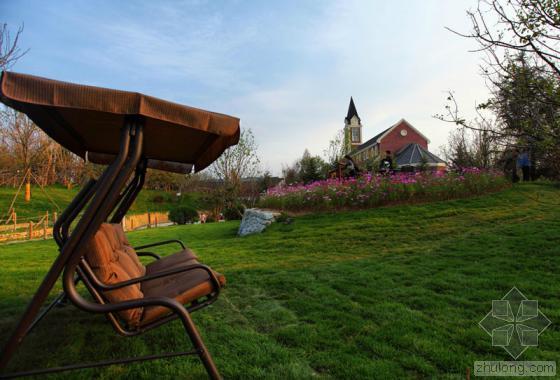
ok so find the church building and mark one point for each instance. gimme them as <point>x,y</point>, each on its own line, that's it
<point>407,146</point>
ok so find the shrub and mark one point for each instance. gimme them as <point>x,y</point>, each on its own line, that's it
<point>183,215</point>
<point>159,198</point>
<point>284,218</point>
<point>235,212</point>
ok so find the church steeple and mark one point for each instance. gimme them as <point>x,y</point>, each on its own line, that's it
<point>352,127</point>
<point>351,111</point>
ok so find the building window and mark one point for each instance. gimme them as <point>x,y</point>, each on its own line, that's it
<point>355,135</point>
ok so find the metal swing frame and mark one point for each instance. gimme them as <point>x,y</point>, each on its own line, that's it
<point>106,200</point>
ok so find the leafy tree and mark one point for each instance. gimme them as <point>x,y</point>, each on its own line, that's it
<point>290,174</point>
<point>527,101</point>
<point>310,168</point>
<point>266,181</point>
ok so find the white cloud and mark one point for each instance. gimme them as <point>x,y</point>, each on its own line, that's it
<point>286,69</point>
<point>392,73</point>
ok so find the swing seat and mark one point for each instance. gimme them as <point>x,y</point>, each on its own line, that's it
<point>113,260</point>
<point>130,133</point>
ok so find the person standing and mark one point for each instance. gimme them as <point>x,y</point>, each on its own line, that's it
<point>510,164</point>
<point>350,168</point>
<point>524,163</point>
<point>386,164</point>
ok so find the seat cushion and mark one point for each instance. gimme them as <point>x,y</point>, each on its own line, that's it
<point>171,261</point>
<point>111,259</point>
<point>184,257</point>
<point>185,287</point>
<point>111,265</point>
<point>124,245</point>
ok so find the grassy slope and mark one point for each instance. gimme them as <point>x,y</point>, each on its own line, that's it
<point>62,197</point>
<point>384,293</point>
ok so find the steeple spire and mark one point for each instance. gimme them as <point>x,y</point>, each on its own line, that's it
<point>351,111</point>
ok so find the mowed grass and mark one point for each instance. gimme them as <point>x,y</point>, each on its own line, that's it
<point>50,197</point>
<point>387,293</point>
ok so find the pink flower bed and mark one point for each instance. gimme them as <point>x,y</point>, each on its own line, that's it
<point>376,190</point>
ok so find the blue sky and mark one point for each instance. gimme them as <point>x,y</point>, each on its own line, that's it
<point>286,68</point>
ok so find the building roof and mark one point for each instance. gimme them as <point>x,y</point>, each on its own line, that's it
<point>384,133</point>
<point>352,111</point>
<point>413,155</point>
<point>378,137</point>
<point>372,141</point>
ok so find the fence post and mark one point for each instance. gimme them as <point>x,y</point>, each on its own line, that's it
<point>14,217</point>
<point>45,226</point>
<point>30,230</point>
<point>123,222</point>
<point>55,216</point>
<point>149,220</point>
<point>27,191</point>
<point>155,220</point>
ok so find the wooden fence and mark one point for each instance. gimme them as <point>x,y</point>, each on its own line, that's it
<point>147,220</point>
<point>41,227</point>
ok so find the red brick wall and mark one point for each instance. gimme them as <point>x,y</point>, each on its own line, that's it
<point>394,141</point>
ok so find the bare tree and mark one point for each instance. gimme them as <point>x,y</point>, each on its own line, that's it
<point>477,142</point>
<point>502,27</point>
<point>468,148</point>
<point>482,123</point>
<point>239,161</point>
<point>9,50</point>
<point>337,147</point>
<point>25,141</point>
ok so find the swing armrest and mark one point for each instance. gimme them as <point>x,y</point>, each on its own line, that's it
<point>151,254</point>
<point>170,272</point>
<point>162,243</point>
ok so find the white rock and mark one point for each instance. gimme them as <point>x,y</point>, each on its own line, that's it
<point>254,221</point>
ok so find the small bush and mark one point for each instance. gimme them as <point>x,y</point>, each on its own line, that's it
<point>183,215</point>
<point>158,198</point>
<point>235,212</point>
<point>283,218</point>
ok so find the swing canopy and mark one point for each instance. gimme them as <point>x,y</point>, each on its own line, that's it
<point>86,120</point>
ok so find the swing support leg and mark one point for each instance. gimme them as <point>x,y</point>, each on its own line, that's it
<point>66,252</point>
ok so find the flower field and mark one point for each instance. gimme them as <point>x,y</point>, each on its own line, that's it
<point>377,190</point>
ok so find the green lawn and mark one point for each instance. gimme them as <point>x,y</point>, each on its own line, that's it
<point>392,292</point>
<point>42,201</point>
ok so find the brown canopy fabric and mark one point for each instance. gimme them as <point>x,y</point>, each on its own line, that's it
<point>88,119</point>
<point>168,166</point>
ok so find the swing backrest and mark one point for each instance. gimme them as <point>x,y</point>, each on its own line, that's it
<point>113,260</point>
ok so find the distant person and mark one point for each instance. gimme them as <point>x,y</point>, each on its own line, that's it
<point>510,165</point>
<point>350,168</point>
<point>524,163</point>
<point>386,164</point>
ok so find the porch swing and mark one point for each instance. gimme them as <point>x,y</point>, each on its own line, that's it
<point>128,132</point>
